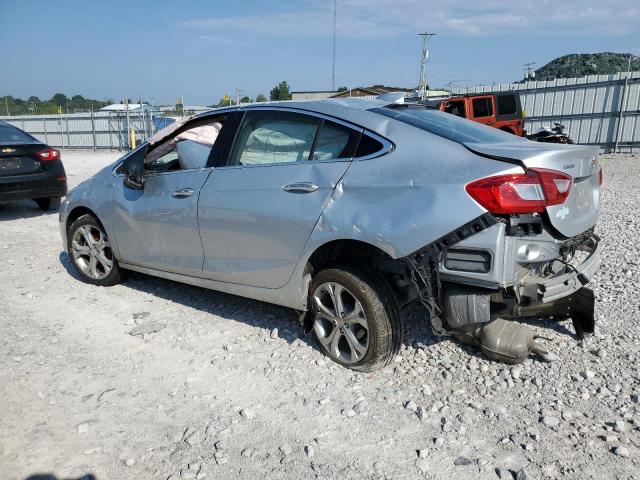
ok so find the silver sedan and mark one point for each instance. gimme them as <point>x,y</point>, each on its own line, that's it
<point>348,211</point>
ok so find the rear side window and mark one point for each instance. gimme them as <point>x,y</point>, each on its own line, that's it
<point>506,104</point>
<point>335,141</point>
<point>447,126</point>
<point>368,146</point>
<point>482,107</point>
<point>11,134</point>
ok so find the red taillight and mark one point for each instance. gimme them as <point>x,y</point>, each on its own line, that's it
<point>528,192</point>
<point>49,154</point>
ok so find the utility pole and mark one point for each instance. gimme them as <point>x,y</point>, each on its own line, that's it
<point>237,96</point>
<point>422,84</point>
<point>126,112</point>
<point>6,104</point>
<point>622,105</point>
<point>529,71</point>
<point>333,58</point>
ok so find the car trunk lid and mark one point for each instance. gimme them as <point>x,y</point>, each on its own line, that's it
<point>20,159</point>
<point>580,210</point>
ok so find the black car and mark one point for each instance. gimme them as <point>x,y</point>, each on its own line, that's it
<point>30,169</point>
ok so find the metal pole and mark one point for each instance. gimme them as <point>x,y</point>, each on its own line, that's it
<point>622,102</point>
<point>61,130</point>
<point>93,131</point>
<point>333,56</point>
<point>68,135</point>
<point>422,84</point>
<point>126,109</point>
<point>46,134</point>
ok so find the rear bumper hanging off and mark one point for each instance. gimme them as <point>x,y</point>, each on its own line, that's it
<point>548,290</point>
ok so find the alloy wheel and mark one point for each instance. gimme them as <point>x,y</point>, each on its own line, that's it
<point>340,323</point>
<point>92,252</point>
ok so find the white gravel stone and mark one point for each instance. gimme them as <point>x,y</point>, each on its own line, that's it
<point>247,413</point>
<point>550,422</point>
<point>621,451</point>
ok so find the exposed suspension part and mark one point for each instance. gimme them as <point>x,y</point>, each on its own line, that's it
<point>423,265</point>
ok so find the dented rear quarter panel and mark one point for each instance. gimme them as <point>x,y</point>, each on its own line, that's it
<point>408,198</point>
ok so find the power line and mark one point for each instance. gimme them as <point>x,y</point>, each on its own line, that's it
<point>529,71</point>
<point>422,84</point>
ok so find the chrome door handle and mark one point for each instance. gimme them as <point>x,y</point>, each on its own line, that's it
<point>182,192</point>
<point>301,187</point>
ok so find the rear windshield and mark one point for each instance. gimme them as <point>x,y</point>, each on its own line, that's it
<point>10,134</point>
<point>445,125</point>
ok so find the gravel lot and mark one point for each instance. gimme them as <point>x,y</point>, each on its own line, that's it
<point>230,388</point>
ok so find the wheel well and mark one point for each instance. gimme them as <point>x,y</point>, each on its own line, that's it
<point>345,252</point>
<point>366,257</point>
<point>77,212</point>
<point>508,130</point>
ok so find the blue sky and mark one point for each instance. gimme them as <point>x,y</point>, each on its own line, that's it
<point>201,49</point>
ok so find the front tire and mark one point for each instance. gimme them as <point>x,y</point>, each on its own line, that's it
<point>48,204</point>
<point>355,318</point>
<point>91,253</point>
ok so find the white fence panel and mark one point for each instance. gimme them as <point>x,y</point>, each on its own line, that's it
<point>601,110</point>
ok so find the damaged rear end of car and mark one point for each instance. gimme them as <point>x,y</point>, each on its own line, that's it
<point>531,254</point>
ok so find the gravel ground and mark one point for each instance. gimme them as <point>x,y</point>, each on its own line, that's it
<point>230,388</point>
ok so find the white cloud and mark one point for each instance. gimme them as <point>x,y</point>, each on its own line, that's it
<point>383,18</point>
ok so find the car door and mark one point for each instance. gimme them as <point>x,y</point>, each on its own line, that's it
<point>482,109</point>
<point>157,226</point>
<point>257,212</point>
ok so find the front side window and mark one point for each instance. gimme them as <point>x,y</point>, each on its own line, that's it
<point>482,107</point>
<point>456,108</point>
<point>187,150</point>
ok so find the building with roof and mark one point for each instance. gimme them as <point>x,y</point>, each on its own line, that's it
<point>312,95</point>
<point>133,108</point>
<point>367,92</point>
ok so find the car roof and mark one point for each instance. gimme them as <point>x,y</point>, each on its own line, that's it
<point>354,110</point>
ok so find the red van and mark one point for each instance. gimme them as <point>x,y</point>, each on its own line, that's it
<point>499,110</point>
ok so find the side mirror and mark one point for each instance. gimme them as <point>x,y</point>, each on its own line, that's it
<point>134,168</point>
<point>131,182</point>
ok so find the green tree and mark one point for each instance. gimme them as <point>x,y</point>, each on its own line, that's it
<point>261,98</point>
<point>59,99</point>
<point>33,98</point>
<point>245,99</point>
<point>342,89</point>
<point>280,92</point>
